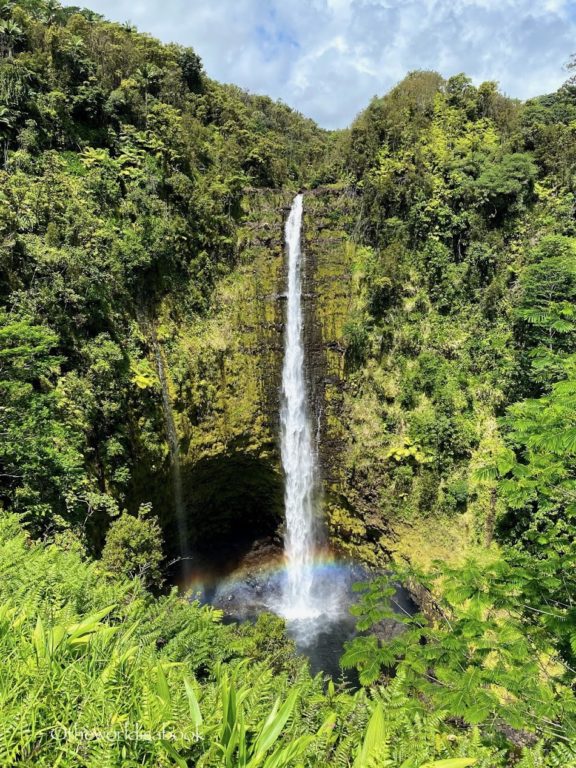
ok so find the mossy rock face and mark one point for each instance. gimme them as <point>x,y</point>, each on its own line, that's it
<point>224,369</point>
<point>329,215</point>
<point>225,374</point>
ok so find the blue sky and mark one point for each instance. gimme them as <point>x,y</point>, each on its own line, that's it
<point>327,58</point>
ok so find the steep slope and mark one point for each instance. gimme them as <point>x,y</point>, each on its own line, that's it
<point>464,277</point>
<point>142,216</point>
<point>225,370</point>
<point>225,367</point>
<point>123,213</point>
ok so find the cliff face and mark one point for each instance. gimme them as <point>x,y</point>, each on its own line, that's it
<point>327,288</point>
<point>225,373</point>
<point>345,419</point>
<point>225,369</point>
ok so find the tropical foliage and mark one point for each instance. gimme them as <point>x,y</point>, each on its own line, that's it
<point>98,672</point>
<point>132,191</point>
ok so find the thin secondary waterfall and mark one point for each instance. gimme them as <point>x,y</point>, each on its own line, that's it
<point>298,458</point>
<point>174,447</point>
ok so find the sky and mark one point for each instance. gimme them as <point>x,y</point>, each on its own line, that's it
<point>328,58</point>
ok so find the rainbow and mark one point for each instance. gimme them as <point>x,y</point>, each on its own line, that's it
<point>326,566</point>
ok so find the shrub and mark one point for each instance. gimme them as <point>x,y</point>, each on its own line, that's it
<point>134,547</point>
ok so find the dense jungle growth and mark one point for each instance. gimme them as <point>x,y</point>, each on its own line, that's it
<point>141,280</point>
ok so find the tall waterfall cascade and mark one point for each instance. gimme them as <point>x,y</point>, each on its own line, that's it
<point>314,590</point>
<point>300,598</point>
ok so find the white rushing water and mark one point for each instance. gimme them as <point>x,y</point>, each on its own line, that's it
<point>298,457</point>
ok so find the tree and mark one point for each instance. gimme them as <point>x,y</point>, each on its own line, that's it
<point>134,547</point>
<point>10,36</point>
<point>6,127</point>
<point>40,463</point>
<point>148,78</point>
<point>536,476</point>
<point>505,186</point>
<point>546,327</point>
<point>191,66</point>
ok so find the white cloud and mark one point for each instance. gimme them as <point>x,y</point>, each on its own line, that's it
<point>327,58</point>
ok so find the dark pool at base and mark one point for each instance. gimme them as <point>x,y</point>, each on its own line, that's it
<point>321,638</point>
<point>326,648</point>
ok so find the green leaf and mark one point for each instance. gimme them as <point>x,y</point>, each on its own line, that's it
<point>273,726</point>
<point>454,762</point>
<point>195,714</point>
<point>375,740</point>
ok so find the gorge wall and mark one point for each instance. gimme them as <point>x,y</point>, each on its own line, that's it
<point>224,372</point>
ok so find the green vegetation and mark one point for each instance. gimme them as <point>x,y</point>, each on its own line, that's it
<point>95,671</point>
<point>461,351</point>
<point>141,272</point>
<point>134,548</point>
<point>121,190</point>
<point>465,285</point>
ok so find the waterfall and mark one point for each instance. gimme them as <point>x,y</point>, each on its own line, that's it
<point>174,448</point>
<point>297,448</point>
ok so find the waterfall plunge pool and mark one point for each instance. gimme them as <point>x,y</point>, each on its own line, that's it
<point>320,633</point>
